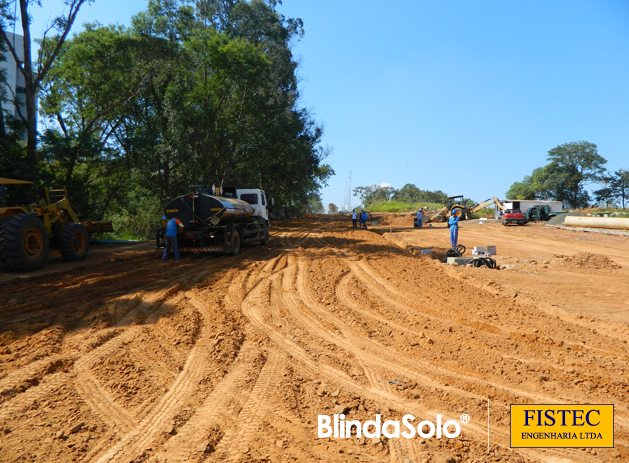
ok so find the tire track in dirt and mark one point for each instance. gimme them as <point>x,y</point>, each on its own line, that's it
<point>464,322</point>
<point>401,450</point>
<point>94,395</point>
<point>252,306</point>
<point>136,440</point>
<point>370,287</point>
<point>234,443</point>
<point>89,387</point>
<point>184,444</point>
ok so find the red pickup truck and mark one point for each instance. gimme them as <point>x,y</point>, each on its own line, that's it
<point>513,216</point>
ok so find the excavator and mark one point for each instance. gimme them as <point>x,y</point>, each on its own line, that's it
<point>465,212</point>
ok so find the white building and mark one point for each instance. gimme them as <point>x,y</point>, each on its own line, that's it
<point>15,83</point>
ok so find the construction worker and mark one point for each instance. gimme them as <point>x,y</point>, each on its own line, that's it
<point>354,216</point>
<point>363,219</point>
<point>173,228</point>
<point>420,218</point>
<point>453,223</point>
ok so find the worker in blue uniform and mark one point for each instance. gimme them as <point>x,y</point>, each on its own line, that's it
<point>173,227</point>
<point>453,223</point>
<point>420,218</point>
<point>363,219</point>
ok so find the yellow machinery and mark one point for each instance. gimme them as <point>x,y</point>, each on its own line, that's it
<point>26,232</point>
<point>458,203</point>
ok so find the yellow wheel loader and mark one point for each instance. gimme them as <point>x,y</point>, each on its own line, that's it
<point>26,232</point>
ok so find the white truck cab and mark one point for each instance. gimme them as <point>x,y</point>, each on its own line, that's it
<point>258,201</point>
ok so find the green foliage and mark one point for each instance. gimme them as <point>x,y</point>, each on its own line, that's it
<point>190,94</point>
<point>374,194</point>
<point>571,167</point>
<point>616,188</point>
<point>398,206</point>
<point>138,223</point>
<point>485,212</point>
<point>315,206</point>
<point>409,193</point>
<point>388,199</point>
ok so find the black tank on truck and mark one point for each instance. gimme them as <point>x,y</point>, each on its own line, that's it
<point>217,223</point>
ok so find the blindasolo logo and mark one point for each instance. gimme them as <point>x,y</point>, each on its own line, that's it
<point>543,425</point>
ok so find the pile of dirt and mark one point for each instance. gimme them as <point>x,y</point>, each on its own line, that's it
<point>586,260</point>
<point>398,220</point>
<point>560,219</point>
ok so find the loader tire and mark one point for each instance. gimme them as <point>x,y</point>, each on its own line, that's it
<point>74,242</point>
<point>235,249</point>
<point>264,241</point>
<point>439,219</point>
<point>23,243</point>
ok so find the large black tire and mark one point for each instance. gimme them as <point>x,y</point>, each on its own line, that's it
<point>23,243</point>
<point>74,242</point>
<point>264,241</point>
<point>461,212</point>
<point>235,249</point>
<point>439,219</point>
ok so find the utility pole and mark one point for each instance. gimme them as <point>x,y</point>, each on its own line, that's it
<point>349,202</point>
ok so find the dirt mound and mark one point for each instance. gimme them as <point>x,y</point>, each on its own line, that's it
<point>398,220</point>
<point>586,260</point>
<point>559,219</point>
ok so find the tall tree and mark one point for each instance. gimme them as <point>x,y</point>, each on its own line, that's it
<point>34,73</point>
<point>616,187</point>
<point>575,164</point>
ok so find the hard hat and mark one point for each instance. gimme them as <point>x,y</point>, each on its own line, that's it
<point>164,218</point>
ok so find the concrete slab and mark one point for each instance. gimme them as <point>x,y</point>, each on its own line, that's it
<point>460,260</point>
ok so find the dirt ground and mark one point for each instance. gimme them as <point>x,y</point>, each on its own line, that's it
<point>127,358</point>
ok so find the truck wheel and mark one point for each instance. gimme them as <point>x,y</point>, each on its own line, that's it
<point>74,242</point>
<point>23,243</point>
<point>235,243</point>
<point>264,241</point>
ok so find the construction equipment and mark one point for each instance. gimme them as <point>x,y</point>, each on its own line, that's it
<point>218,222</point>
<point>27,232</point>
<point>541,212</point>
<point>459,202</point>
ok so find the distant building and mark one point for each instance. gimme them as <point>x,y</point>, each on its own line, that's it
<point>15,87</point>
<point>523,204</point>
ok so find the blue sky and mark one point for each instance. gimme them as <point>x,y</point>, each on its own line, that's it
<point>462,96</point>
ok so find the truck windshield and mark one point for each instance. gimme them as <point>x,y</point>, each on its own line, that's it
<point>251,198</point>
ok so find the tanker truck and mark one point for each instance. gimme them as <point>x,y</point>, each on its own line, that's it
<point>214,222</point>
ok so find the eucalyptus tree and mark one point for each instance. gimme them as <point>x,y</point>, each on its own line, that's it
<point>35,72</point>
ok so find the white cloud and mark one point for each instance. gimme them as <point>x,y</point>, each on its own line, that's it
<point>383,185</point>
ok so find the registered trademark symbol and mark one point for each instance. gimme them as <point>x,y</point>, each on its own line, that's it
<point>465,418</point>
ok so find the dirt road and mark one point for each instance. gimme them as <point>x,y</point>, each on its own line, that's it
<point>232,359</point>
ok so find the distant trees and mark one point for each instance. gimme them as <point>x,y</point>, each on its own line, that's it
<point>374,193</point>
<point>409,193</point>
<point>315,205</point>
<point>616,188</point>
<point>572,166</point>
<point>332,209</point>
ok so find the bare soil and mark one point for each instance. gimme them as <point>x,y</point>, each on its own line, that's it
<point>213,358</point>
